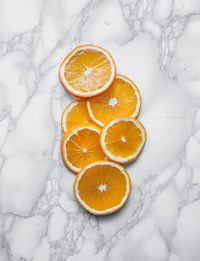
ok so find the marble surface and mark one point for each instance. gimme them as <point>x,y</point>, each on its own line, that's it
<point>155,43</point>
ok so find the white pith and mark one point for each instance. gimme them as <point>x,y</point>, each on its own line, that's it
<point>123,139</point>
<point>65,113</point>
<point>68,137</point>
<point>118,76</point>
<point>90,93</point>
<point>84,150</point>
<point>88,71</point>
<point>101,124</point>
<point>112,102</point>
<point>122,159</point>
<point>110,210</point>
<point>102,187</point>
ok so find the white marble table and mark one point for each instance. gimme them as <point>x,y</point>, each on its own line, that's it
<point>157,44</point>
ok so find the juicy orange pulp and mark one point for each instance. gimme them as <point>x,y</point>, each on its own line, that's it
<point>123,138</point>
<point>99,185</point>
<point>122,99</point>
<point>82,148</point>
<point>88,70</point>
<point>74,115</point>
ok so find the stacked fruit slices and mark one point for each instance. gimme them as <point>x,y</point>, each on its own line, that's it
<point>100,130</point>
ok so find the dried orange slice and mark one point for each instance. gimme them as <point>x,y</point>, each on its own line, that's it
<point>81,146</point>
<point>75,113</point>
<point>122,99</point>
<point>87,71</point>
<point>123,139</point>
<point>102,187</point>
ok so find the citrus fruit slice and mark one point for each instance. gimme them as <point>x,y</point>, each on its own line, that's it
<point>87,71</point>
<point>75,113</point>
<point>81,146</point>
<point>122,99</point>
<point>123,139</point>
<point>102,187</point>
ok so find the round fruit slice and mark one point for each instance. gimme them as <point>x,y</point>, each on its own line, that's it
<point>82,146</point>
<point>75,113</point>
<point>122,99</point>
<point>123,139</point>
<point>102,187</point>
<point>87,71</point>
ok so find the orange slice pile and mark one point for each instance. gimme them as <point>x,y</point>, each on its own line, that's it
<point>100,129</point>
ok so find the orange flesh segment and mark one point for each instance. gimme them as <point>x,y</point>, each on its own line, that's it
<point>88,70</point>
<point>89,184</point>
<point>123,131</point>
<point>77,116</point>
<point>119,100</point>
<point>84,148</point>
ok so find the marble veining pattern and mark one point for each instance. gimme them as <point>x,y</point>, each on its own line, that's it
<point>155,43</point>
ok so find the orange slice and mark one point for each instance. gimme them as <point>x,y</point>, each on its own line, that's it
<point>123,139</point>
<point>81,146</point>
<point>87,71</point>
<point>75,113</point>
<point>122,99</point>
<point>102,187</point>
